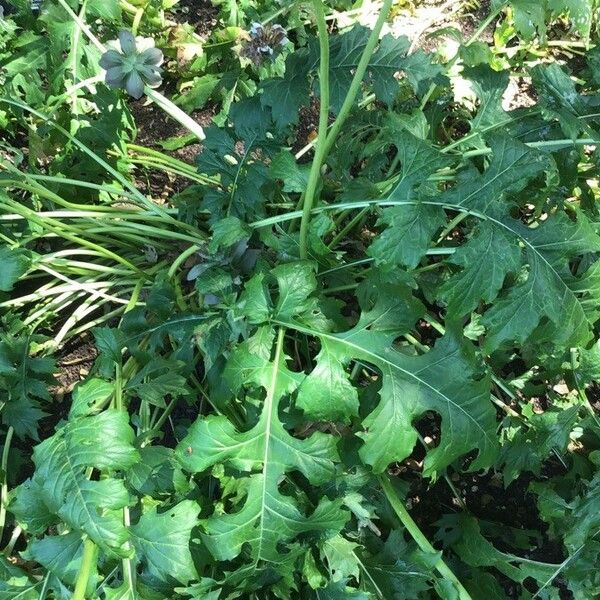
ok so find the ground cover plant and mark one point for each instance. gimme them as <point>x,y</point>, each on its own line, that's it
<point>299,299</point>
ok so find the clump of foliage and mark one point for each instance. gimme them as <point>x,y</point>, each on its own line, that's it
<point>308,344</point>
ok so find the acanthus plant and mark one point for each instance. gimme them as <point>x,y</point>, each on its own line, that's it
<point>239,433</point>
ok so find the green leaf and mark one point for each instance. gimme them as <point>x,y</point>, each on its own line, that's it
<point>162,542</point>
<point>489,86</point>
<point>104,9</point>
<point>511,167</point>
<point>228,232</point>
<point>400,570</point>
<point>547,288</point>
<point>389,58</point>
<point>110,343</point>
<point>327,393</point>
<point>90,396</point>
<point>15,584</point>
<point>61,555</point>
<point>157,380</point>
<point>267,518</point>
<point>486,259</point>
<point>580,12</point>
<point>544,294</point>
<point>529,18</point>
<point>476,551</point>
<point>446,380</point>
<point>103,441</point>
<point>407,235</point>
<point>293,175</point>
<point>197,92</point>
<point>341,591</point>
<point>24,381</point>
<point>295,282</point>
<point>341,558</point>
<point>29,508</point>
<point>527,447</point>
<point>15,263</point>
<point>254,300</point>
<point>418,160</point>
<point>560,100</point>
<point>286,95</point>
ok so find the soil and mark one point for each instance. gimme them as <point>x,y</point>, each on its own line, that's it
<point>201,14</point>
<point>306,132</point>
<point>432,15</point>
<point>155,126</point>
<point>74,362</point>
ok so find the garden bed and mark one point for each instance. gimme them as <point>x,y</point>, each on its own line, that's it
<point>299,300</point>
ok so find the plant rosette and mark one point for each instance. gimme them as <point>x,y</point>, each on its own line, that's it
<point>131,63</point>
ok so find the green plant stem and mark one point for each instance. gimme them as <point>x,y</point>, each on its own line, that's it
<point>158,423</point>
<point>118,397</point>
<point>358,77</point>
<point>181,259</point>
<point>348,228</point>
<point>77,183</point>
<point>73,59</point>
<point>315,169</point>
<point>88,563</point>
<point>10,546</point>
<point>326,140</point>
<point>419,537</point>
<point>58,228</point>
<point>154,164</point>
<point>4,488</point>
<point>545,144</point>
<point>172,162</point>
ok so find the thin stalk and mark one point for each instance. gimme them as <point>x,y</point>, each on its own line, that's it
<point>84,286</point>
<point>90,324</point>
<point>419,537</point>
<point>10,546</point>
<point>359,74</point>
<point>74,61</point>
<point>45,586</point>
<point>459,218</point>
<point>174,111</point>
<point>326,140</point>
<point>87,307</point>
<point>118,396</point>
<point>88,564</point>
<point>181,259</point>
<point>545,144</point>
<point>318,159</point>
<point>158,423</point>
<point>90,81</point>
<point>170,160</point>
<point>77,183</point>
<point>58,228</point>
<point>152,164</point>
<point>348,228</point>
<point>4,488</point>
